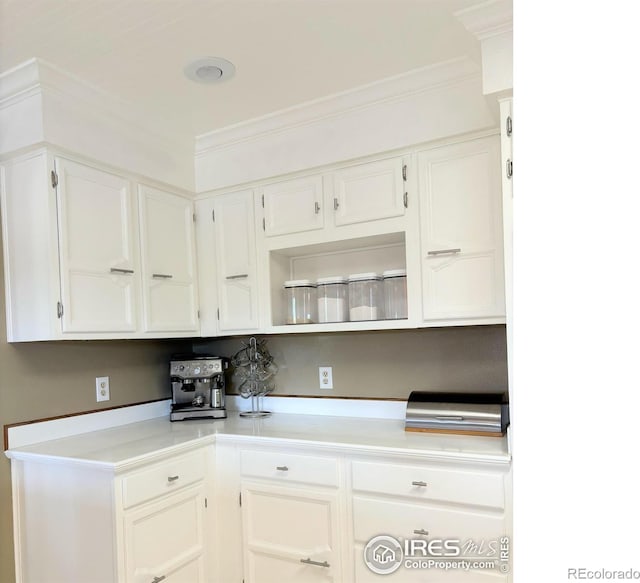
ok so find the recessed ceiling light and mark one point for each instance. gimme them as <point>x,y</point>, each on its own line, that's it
<point>209,70</point>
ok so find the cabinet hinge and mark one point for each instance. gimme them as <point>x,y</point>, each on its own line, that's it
<point>54,178</point>
<point>194,217</point>
<point>218,313</point>
<point>205,503</point>
<point>198,314</point>
<point>263,201</point>
<point>405,199</point>
<point>213,215</point>
<point>509,126</point>
<point>240,498</point>
<point>60,309</point>
<point>404,172</point>
<point>264,228</point>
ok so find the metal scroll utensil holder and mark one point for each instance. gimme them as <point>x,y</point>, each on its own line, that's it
<point>254,370</point>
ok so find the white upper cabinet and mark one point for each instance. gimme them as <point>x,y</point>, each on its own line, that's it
<point>293,206</point>
<point>235,250</point>
<point>72,239</point>
<point>168,261</point>
<point>348,202</point>
<point>461,231</point>
<point>369,192</point>
<point>99,265</point>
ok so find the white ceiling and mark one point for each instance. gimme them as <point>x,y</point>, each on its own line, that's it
<point>286,52</point>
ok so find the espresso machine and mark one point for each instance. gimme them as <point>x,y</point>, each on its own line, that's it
<point>197,384</point>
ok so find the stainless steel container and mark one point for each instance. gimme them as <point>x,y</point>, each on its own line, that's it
<point>465,413</point>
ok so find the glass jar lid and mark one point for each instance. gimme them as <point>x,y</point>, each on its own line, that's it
<point>394,273</point>
<point>332,279</point>
<point>299,283</point>
<point>364,277</point>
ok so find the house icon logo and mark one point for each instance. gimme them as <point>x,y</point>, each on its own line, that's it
<point>383,554</point>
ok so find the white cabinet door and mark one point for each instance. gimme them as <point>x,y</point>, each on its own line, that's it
<point>99,264</point>
<point>236,260</point>
<point>165,541</point>
<point>369,192</point>
<point>461,231</point>
<point>168,261</point>
<point>293,206</point>
<point>290,534</point>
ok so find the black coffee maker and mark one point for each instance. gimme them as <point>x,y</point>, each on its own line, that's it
<point>197,385</point>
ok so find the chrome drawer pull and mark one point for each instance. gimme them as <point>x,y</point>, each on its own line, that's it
<point>239,276</point>
<point>421,531</point>
<point>282,468</point>
<point>450,417</point>
<point>161,276</point>
<point>315,563</point>
<point>419,483</point>
<point>444,251</point>
<point>118,270</point>
<point>172,478</point>
<point>158,579</point>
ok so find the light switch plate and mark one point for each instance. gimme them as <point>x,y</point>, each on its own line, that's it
<point>102,389</point>
<point>326,377</point>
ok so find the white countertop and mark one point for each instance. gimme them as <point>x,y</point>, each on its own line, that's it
<point>122,447</point>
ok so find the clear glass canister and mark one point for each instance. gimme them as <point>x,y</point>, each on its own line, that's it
<point>332,299</point>
<point>300,301</point>
<point>365,297</point>
<point>394,283</point>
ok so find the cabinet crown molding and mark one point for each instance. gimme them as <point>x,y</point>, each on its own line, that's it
<point>487,19</point>
<point>418,80</point>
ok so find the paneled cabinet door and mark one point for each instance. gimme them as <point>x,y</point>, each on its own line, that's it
<point>165,541</point>
<point>290,534</point>
<point>236,261</point>
<point>99,265</point>
<point>293,206</point>
<point>461,231</point>
<point>168,261</point>
<point>369,192</point>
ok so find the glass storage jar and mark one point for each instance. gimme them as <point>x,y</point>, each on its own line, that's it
<point>332,299</point>
<point>394,283</point>
<point>300,299</point>
<point>365,297</point>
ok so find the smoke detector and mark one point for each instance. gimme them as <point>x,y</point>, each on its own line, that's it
<point>209,70</point>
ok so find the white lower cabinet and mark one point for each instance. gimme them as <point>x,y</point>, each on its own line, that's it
<point>440,515</point>
<point>74,522</point>
<point>291,517</point>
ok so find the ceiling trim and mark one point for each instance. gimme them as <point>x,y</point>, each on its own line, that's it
<point>424,79</point>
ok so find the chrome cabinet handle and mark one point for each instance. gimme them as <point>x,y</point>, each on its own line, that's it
<point>509,168</point>
<point>161,276</point>
<point>444,251</point>
<point>419,483</point>
<point>118,270</point>
<point>421,531</point>
<point>172,478</point>
<point>450,417</point>
<point>239,276</point>
<point>315,563</point>
<point>282,468</point>
<point>158,579</point>
<point>317,207</point>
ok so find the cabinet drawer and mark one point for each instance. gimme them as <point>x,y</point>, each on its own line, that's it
<point>429,483</point>
<point>372,517</point>
<point>286,467</point>
<point>163,478</point>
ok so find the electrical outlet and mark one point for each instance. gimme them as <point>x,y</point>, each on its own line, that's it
<point>326,377</point>
<point>102,389</point>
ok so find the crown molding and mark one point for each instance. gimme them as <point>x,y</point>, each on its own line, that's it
<point>424,79</point>
<point>487,19</point>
